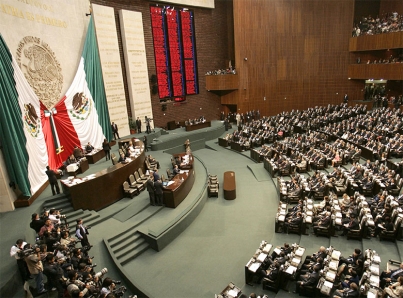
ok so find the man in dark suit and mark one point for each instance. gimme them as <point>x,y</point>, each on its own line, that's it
<point>324,222</point>
<point>271,274</point>
<point>159,190</point>
<point>82,232</point>
<point>53,180</point>
<point>294,221</point>
<point>352,225</point>
<point>138,124</point>
<point>391,276</point>
<point>115,130</point>
<point>309,280</point>
<point>151,190</point>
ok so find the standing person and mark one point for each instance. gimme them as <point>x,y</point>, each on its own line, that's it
<point>82,232</point>
<point>238,119</point>
<point>52,180</point>
<point>226,124</point>
<point>54,273</point>
<point>138,124</point>
<point>345,99</point>
<point>151,190</point>
<point>22,265</point>
<point>148,124</point>
<point>115,131</point>
<point>107,149</point>
<point>35,267</point>
<point>159,190</point>
<point>145,143</point>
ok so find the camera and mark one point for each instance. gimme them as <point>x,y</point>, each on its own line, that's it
<point>119,292</point>
<point>116,282</point>
<point>29,251</point>
<point>101,273</point>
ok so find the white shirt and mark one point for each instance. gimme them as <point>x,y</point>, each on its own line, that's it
<point>15,249</point>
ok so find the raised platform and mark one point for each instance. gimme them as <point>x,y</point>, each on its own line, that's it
<point>177,137</point>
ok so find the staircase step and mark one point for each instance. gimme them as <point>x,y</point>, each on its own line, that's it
<point>135,253</point>
<point>116,245</point>
<point>128,249</point>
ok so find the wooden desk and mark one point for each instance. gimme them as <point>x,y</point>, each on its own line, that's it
<point>135,141</point>
<point>81,168</point>
<point>223,142</point>
<point>175,193</point>
<point>229,185</point>
<point>198,126</point>
<point>184,166</point>
<point>106,188</point>
<point>95,156</point>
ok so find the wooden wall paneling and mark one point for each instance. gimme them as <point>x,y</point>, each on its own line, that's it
<point>376,71</point>
<point>385,41</point>
<point>387,6</point>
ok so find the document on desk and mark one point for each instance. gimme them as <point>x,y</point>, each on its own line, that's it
<point>233,293</point>
<point>254,266</point>
<point>291,269</point>
<point>374,280</point>
<point>262,257</point>
<point>170,182</point>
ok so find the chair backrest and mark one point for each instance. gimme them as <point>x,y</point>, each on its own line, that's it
<point>137,176</point>
<point>114,160</point>
<point>126,185</point>
<point>163,178</point>
<point>141,173</point>
<point>169,172</point>
<point>113,155</point>
<point>131,179</point>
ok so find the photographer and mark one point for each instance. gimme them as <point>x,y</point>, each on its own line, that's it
<point>66,240</point>
<point>75,287</point>
<point>50,239</point>
<point>82,232</point>
<point>79,257</point>
<point>36,222</point>
<point>107,286</point>
<point>54,216</point>
<point>35,267</point>
<point>54,273</point>
<point>22,265</point>
<point>47,227</point>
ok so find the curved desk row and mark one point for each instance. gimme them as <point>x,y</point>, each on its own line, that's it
<point>176,192</point>
<point>105,188</point>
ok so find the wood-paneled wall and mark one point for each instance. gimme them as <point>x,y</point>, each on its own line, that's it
<point>376,71</point>
<point>297,54</point>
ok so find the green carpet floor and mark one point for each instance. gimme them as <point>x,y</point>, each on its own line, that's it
<point>212,251</point>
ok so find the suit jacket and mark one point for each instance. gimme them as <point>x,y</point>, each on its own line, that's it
<point>150,186</point>
<point>52,176</point>
<point>312,279</point>
<point>158,187</point>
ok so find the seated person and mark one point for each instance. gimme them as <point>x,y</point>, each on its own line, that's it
<point>176,170</point>
<point>89,148</point>
<point>71,160</point>
<point>395,290</point>
<point>323,222</point>
<point>391,276</point>
<point>351,225</point>
<point>351,291</point>
<point>122,158</point>
<point>78,153</point>
<point>309,280</point>
<point>272,272</point>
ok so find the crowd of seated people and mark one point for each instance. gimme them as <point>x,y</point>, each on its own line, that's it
<point>194,121</point>
<point>391,60</point>
<point>69,269</point>
<point>388,22</point>
<point>327,272</point>
<point>221,72</point>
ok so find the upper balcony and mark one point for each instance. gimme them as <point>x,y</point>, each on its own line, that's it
<point>389,71</point>
<point>226,82</point>
<point>383,41</point>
